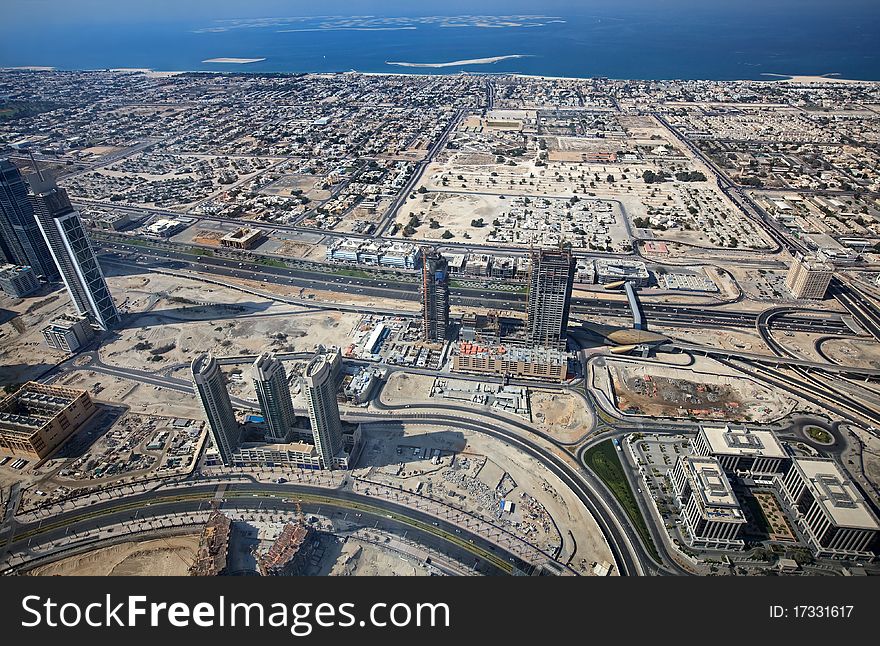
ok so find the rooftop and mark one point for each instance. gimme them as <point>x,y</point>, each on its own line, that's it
<point>712,489</point>
<point>836,493</point>
<point>724,440</point>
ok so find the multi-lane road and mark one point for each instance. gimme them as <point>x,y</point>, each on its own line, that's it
<point>404,287</point>
<point>431,531</point>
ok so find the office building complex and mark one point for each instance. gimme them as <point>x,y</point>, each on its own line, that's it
<point>809,278</point>
<point>829,510</point>
<point>320,388</point>
<point>550,281</point>
<point>211,389</point>
<point>710,510</point>
<point>273,393</point>
<point>70,247</point>
<point>68,333</point>
<point>21,241</point>
<point>18,281</point>
<point>744,452</point>
<point>38,418</point>
<point>435,296</point>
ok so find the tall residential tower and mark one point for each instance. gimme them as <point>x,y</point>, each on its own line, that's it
<point>550,281</point>
<point>320,388</point>
<point>273,393</point>
<point>435,296</point>
<point>70,247</point>
<point>212,392</point>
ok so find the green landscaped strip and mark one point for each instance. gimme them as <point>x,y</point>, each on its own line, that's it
<point>272,262</point>
<point>603,460</point>
<point>354,273</point>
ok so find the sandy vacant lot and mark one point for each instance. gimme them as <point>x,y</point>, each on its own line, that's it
<point>160,557</point>
<point>405,388</point>
<point>562,415</point>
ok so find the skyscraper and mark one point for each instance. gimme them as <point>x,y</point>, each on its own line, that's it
<point>320,388</point>
<point>20,238</point>
<point>69,245</point>
<point>550,281</point>
<point>273,393</point>
<point>212,392</point>
<point>435,296</point>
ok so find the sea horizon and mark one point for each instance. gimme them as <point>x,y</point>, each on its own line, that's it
<point>714,43</point>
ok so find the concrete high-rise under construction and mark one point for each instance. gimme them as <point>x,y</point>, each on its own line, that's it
<point>211,389</point>
<point>273,393</point>
<point>320,389</point>
<point>435,296</point>
<point>551,277</point>
<point>20,238</point>
<point>72,251</point>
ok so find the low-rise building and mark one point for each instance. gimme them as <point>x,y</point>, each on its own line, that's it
<point>585,271</point>
<point>37,419</point>
<point>711,514</point>
<point>396,255</point>
<point>18,281</point>
<point>243,238</point>
<point>163,228</point>
<point>362,386</point>
<point>612,270</point>
<point>544,364</point>
<point>110,221</point>
<point>689,282</point>
<point>744,452</point>
<point>829,509</point>
<point>456,263</point>
<point>301,455</point>
<point>399,254</point>
<point>68,333</point>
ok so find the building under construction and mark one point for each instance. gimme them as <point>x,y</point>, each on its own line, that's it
<point>213,552</point>
<point>290,553</point>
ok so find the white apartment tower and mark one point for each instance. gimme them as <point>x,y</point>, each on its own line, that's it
<point>212,392</point>
<point>320,388</point>
<point>273,393</point>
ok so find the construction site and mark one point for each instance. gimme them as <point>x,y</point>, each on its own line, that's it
<point>702,391</point>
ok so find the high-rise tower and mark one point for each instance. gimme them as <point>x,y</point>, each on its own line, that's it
<point>435,296</point>
<point>20,238</point>
<point>551,278</point>
<point>273,393</point>
<point>72,251</point>
<point>212,392</point>
<point>320,388</point>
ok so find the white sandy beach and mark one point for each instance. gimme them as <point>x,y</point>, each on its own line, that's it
<point>800,79</point>
<point>469,61</point>
<point>234,61</point>
<point>30,68</point>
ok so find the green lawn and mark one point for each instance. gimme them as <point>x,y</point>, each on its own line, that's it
<point>819,434</point>
<point>603,460</point>
<point>272,262</point>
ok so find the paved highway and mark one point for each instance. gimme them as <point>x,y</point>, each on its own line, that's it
<point>380,287</point>
<point>458,542</point>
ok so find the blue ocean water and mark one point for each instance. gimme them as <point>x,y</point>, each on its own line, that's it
<point>711,40</point>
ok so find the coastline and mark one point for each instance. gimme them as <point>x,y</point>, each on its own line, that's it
<point>775,78</point>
